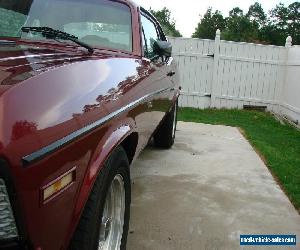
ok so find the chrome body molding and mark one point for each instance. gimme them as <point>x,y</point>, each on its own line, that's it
<point>43,152</point>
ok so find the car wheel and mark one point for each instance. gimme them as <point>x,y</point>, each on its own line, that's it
<point>165,135</point>
<point>105,219</point>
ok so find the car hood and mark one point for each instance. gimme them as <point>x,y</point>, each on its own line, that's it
<point>48,93</point>
<point>20,62</point>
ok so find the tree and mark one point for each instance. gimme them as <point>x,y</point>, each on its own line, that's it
<point>167,23</point>
<point>257,14</point>
<point>294,21</point>
<point>283,21</point>
<point>239,27</point>
<point>236,12</point>
<point>208,25</point>
<point>254,26</point>
<point>278,16</point>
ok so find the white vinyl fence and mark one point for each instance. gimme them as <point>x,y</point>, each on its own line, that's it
<point>222,74</point>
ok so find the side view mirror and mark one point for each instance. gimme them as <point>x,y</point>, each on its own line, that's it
<point>162,48</point>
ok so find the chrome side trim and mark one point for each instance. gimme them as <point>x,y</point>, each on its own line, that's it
<point>43,152</point>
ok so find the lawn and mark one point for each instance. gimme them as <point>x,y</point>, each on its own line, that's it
<point>278,144</point>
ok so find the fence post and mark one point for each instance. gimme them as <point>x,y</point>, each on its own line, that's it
<point>281,90</point>
<point>288,42</point>
<point>214,87</point>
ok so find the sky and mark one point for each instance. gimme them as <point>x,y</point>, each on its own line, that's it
<point>186,12</point>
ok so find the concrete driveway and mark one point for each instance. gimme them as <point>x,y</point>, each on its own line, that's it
<point>204,192</point>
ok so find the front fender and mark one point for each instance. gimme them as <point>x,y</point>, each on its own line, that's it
<point>112,139</point>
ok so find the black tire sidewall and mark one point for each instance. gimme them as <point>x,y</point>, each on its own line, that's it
<point>164,136</point>
<point>118,165</point>
<point>88,230</point>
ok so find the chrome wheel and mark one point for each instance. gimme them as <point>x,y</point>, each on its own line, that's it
<point>112,220</point>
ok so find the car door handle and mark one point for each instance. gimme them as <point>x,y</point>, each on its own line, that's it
<point>171,73</point>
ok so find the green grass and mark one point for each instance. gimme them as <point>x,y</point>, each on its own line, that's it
<point>278,144</point>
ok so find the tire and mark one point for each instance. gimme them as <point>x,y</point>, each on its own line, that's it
<point>164,137</point>
<point>113,175</point>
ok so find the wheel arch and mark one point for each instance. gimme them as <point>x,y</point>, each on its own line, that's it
<point>130,145</point>
<point>124,135</point>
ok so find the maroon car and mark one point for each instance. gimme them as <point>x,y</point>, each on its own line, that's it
<point>84,85</point>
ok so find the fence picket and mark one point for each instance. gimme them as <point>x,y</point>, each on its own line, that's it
<point>238,74</point>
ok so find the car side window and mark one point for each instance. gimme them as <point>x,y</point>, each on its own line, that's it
<point>150,35</point>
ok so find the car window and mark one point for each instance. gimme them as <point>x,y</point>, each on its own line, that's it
<point>116,36</point>
<point>10,22</point>
<point>150,36</point>
<point>96,22</point>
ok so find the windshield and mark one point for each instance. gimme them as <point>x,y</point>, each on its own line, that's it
<point>96,22</point>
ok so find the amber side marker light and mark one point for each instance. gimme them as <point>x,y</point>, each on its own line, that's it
<point>57,186</point>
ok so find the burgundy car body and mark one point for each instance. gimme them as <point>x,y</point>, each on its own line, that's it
<point>64,109</point>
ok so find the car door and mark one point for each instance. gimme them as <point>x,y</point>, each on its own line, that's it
<point>161,83</point>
